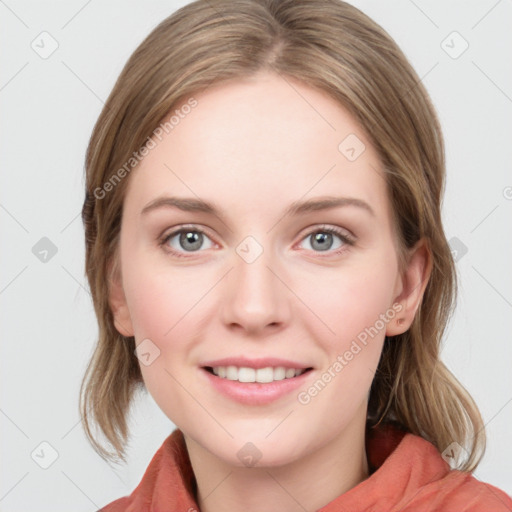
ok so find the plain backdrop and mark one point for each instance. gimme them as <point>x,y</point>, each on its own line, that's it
<point>49,104</point>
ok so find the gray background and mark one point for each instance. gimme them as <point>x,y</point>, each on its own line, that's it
<point>48,108</point>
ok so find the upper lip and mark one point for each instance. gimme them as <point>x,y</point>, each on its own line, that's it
<point>262,362</point>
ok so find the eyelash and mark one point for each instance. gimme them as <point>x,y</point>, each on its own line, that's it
<point>348,240</point>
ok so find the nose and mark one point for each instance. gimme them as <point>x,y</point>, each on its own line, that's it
<point>255,300</point>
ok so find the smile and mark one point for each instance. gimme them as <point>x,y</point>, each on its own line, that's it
<point>255,382</point>
<point>262,375</point>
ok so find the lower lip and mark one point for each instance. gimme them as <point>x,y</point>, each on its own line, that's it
<point>255,393</point>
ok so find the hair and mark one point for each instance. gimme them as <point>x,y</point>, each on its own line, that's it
<point>333,47</point>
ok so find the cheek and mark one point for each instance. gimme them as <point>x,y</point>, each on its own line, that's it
<point>166,305</point>
<point>151,309</point>
<point>160,301</point>
<point>352,300</point>
<point>165,309</point>
<point>353,305</point>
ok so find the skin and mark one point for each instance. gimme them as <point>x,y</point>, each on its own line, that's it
<point>252,147</point>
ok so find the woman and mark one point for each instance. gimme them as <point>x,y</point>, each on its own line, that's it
<point>266,257</point>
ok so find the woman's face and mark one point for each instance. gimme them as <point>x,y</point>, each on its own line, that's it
<point>262,276</point>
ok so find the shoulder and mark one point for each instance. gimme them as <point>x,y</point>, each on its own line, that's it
<point>167,483</point>
<point>441,488</point>
<point>120,505</point>
<point>461,492</point>
<point>412,476</point>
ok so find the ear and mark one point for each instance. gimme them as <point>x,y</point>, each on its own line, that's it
<point>117,302</point>
<point>411,285</point>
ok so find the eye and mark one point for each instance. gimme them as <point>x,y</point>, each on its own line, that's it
<point>193,239</point>
<point>323,239</point>
<point>186,240</point>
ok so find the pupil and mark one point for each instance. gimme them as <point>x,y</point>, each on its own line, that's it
<point>322,238</point>
<point>191,237</point>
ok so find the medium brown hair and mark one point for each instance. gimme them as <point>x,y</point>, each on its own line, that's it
<point>334,47</point>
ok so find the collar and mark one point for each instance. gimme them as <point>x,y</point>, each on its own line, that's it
<point>407,474</point>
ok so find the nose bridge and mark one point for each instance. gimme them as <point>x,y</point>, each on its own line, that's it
<point>255,297</point>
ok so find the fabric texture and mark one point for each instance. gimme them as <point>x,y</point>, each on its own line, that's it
<point>407,474</point>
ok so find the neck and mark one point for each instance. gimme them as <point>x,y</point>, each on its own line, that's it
<point>302,485</point>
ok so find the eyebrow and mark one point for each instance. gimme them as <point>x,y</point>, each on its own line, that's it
<point>190,204</point>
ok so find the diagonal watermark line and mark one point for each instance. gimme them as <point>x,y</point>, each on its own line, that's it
<point>14,218</point>
<point>115,473</point>
<point>275,71</point>
<point>76,14</point>
<point>14,423</point>
<point>186,185</point>
<point>286,491</point>
<point>75,279</point>
<point>424,14</point>
<point>501,409</point>
<point>490,489</point>
<point>13,279</point>
<point>83,82</point>
<point>492,81</point>
<point>14,76</point>
<point>301,300</point>
<point>200,299</point>
<point>112,112</point>
<point>293,410</point>
<point>492,211</point>
<point>485,425</point>
<point>70,430</point>
<point>85,494</point>
<point>380,173</point>
<point>200,404</point>
<point>417,493</point>
<point>7,7</point>
<point>218,485</point>
<point>305,193</point>
<point>493,287</point>
<point>420,80</point>
<point>289,83</point>
<point>70,222</point>
<point>10,490</point>
<point>485,15</point>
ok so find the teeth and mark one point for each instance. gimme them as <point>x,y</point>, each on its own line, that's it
<point>279,373</point>
<point>263,375</point>
<point>232,373</point>
<point>246,374</point>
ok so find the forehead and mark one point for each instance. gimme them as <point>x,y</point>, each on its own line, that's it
<point>261,143</point>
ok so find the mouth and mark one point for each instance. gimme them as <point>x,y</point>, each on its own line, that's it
<point>255,382</point>
<point>248,374</point>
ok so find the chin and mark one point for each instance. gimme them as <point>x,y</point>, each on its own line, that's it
<point>255,447</point>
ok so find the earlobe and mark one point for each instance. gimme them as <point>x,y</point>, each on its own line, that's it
<point>118,305</point>
<point>414,280</point>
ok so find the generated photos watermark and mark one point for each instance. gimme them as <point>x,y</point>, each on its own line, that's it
<point>151,143</point>
<point>305,396</point>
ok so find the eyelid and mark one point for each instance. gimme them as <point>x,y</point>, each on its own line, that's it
<point>338,230</point>
<point>183,227</point>
<point>347,237</point>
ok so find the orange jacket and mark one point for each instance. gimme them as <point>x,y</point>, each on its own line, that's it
<point>407,474</point>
